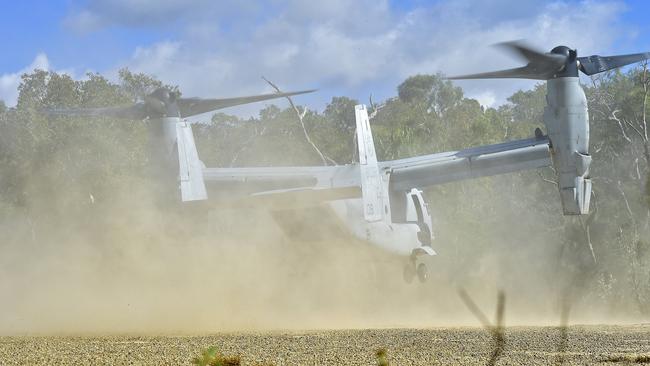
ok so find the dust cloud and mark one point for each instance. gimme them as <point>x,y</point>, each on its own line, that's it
<point>213,271</point>
<point>129,264</point>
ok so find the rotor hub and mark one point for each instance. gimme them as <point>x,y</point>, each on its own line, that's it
<point>162,103</point>
<point>562,50</point>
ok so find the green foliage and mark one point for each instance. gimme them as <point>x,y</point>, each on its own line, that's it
<point>64,166</point>
<point>139,85</point>
<point>211,357</point>
<point>628,359</point>
<point>432,92</point>
<point>206,357</point>
<point>55,168</point>
<point>528,106</point>
<point>382,357</point>
<point>416,88</point>
<point>340,113</point>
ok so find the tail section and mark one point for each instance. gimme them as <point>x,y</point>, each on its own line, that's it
<point>407,232</point>
<point>372,187</point>
<point>190,168</point>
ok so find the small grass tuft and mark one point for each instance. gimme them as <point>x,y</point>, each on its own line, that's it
<point>382,357</point>
<point>210,357</point>
<point>628,359</point>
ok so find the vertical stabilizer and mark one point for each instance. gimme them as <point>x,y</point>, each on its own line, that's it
<point>371,183</point>
<point>190,168</point>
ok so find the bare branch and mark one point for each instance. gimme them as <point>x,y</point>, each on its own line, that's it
<point>301,116</point>
<point>586,228</point>
<point>644,121</point>
<point>614,117</point>
<point>632,126</point>
<point>627,203</point>
<point>375,108</point>
<point>546,179</point>
<point>645,80</point>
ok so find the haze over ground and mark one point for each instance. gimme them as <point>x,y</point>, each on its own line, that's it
<point>129,264</point>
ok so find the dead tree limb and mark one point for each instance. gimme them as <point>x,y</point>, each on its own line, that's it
<point>375,108</point>
<point>301,116</point>
<point>644,122</point>
<point>541,175</point>
<point>615,118</point>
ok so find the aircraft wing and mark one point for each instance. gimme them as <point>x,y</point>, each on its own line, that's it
<point>308,185</point>
<point>482,161</point>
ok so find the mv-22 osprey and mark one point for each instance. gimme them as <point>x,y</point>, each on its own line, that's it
<point>381,201</point>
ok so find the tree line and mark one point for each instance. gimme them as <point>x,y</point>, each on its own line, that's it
<point>62,174</point>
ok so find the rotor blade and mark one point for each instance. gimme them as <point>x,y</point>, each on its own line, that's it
<point>526,72</point>
<point>136,111</point>
<point>526,52</point>
<point>595,64</point>
<point>192,106</point>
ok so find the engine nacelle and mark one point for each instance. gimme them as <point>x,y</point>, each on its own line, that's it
<point>567,121</point>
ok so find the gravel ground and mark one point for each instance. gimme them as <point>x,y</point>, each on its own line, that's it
<point>587,345</point>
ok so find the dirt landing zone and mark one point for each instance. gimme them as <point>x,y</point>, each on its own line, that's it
<point>587,345</point>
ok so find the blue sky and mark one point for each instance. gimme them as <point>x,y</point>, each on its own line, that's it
<point>343,47</point>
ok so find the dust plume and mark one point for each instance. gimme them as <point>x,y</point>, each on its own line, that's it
<point>123,261</point>
<point>133,265</point>
<point>130,264</point>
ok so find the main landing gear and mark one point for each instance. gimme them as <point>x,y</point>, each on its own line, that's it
<point>417,264</point>
<point>411,270</point>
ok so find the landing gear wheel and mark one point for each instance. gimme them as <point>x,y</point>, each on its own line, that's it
<point>409,273</point>
<point>423,272</point>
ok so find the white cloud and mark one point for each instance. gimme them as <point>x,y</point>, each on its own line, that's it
<point>486,98</point>
<point>84,21</point>
<point>9,82</point>
<point>97,14</point>
<point>159,57</point>
<point>351,47</point>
